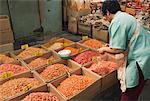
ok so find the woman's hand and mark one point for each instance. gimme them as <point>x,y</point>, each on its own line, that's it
<point>101,50</point>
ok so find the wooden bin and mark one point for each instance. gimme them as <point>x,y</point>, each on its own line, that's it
<point>6,48</point>
<point>100,34</point>
<point>16,63</point>
<point>17,52</point>
<point>23,75</point>
<point>43,88</point>
<point>109,79</point>
<point>46,55</point>
<point>71,64</point>
<point>84,29</point>
<point>66,42</point>
<point>85,94</point>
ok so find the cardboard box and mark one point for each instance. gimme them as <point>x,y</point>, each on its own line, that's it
<point>46,55</point>
<point>73,25</point>
<point>85,94</point>
<point>100,34</point>
<point>23,75</point>
<point>4,23</point>
<point>84,29</point>
<point>71,64</point>
<point>6,48</point>
<point>17,52</point>
<point>66,42</point>
<point>43,88</point>
<point>6,37</point>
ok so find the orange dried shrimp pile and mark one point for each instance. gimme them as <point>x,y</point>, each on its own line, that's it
<point>5,59</point>
<point>31,51</point>
<point>54,71</point>
<point>15,86</point>
<point>41,96</point>
<point>74,84</point>
<point>103,67</point>
<point>93,43</point>
<point>73,50</point>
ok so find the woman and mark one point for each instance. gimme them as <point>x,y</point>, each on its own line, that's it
<point>127,34</point>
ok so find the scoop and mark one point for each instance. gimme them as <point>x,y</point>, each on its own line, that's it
<point>64,53</point>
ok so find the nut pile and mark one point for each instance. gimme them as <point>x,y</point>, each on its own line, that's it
<point>93,43</point>
<point>41,96</point>
<point>74,84</point>
<point>31,51</point>
<point>5,59</point>
<point>54,71</point>
<point>103,67</point>
<point>56,46</point>
<point>37,62</point>
<point>16,86</point>
<point>85,57</point>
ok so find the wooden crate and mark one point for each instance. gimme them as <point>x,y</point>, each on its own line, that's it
<point>4,23</point>
<point>71,64</point>
<point>100,34</point>
<point>23,75</point>
<point>66,42</point>
<point>84,29</point>
<point>78,46</point>
<point>17,52</point>
<point>109,79</point>
<point>6,37</point>
<point>46,55</point>
<point>43,88</point>
<point>6,48</point>
<point>86,94</point>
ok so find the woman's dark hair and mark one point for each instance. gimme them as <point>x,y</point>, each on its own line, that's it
<point>112,6</point>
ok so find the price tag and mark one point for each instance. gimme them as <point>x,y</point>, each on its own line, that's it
<point>94,59</point>
<point>85,37</point>
<point>68,74</point>
<point>24,46</point>
<point>80,50</point>
<point>38,54</point>
<point>65,44</point>
<point>28,87</point>
<point>49,62</point>
<point>6,74</point>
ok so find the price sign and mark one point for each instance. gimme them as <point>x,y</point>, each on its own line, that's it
<point>85,37</point>
<point>7,74</point>
<point>24,46</point>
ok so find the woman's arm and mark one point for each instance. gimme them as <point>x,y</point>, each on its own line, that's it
<point>110,50</point>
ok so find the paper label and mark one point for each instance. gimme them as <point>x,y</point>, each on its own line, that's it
<point>7,74</point>
<point>38,54</point>
<point>24,46</point>
<point>85,37</point>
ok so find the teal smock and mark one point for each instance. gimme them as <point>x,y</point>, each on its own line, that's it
<point>121,30</point>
